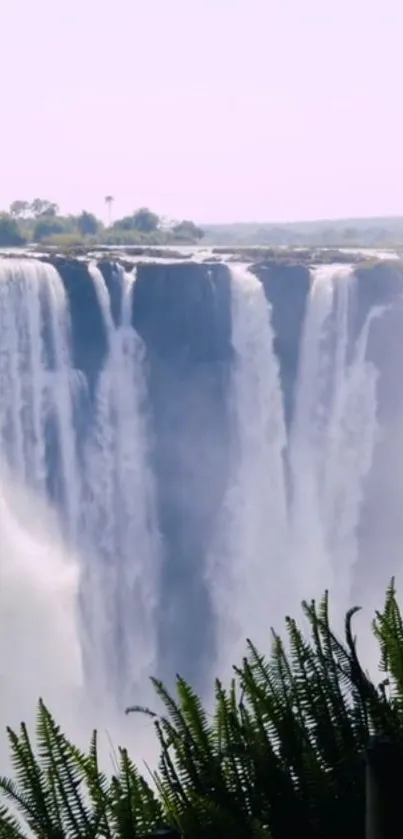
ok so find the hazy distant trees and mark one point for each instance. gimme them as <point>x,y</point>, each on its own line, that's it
<point>37,207</point>
<point>340,233</point>
<point>10,235</point>
<point>109,199</point>
<point>188,230</point>
<point>88,224</point>
<point>40,220</point>
<point>20,209</point>
<point>46,226</point>
<point>42,207</point>
<point>143,221</point>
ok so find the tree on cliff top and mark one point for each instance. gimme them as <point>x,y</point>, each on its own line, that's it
<point>188,230</point>
<point>142,221</point>
<point>109,199</point>
<point>87,224</point>
<point>43,207</point>
<point>20,209</point>
<point>145,221</point>
<point>49,225</point>
<point>10,235</point>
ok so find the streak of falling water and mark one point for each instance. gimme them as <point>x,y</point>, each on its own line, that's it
<point>307,538</point>
<point>332,440</point>
<point>121,524</point>
<point>22,371</point>
<point>39,638</point>
<point>102,295</point>
<point>45,500</point>
<point>248,563</point>
<point>35,379</point>
<point>63,395</point>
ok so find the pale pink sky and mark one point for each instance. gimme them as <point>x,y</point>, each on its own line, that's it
<point>217,110</point>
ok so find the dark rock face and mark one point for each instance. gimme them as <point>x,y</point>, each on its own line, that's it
<point>378,284</point>
<point>287,289</point>
<point>89,339</point>
<point>182,313</point>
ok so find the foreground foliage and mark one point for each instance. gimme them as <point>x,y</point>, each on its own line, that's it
<point>282,755</point>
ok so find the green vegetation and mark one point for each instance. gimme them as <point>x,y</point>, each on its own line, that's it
<point>40,222</point>
<point>281,757</point>
<point>339,233</point>
<point>10,235</point>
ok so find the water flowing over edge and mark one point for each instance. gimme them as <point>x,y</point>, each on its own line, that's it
<point>288,524</point>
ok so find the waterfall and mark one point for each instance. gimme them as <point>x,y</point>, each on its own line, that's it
<point>32,375</point>
<point>239,507</point>
<point>290,518</point>
<point>120,515</point>
<point>37,391</point>
<point>248,567</point>
<point>40,647</point>
<point>332,440</point>
<point>83,533</point>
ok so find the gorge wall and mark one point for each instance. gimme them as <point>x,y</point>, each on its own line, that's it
<point>183,315</point>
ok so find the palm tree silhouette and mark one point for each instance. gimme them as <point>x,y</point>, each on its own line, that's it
<point>109,201</point>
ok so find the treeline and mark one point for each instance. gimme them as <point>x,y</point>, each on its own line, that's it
<point>40,221</point>
<point>340,233</point>
<point>281,756</point>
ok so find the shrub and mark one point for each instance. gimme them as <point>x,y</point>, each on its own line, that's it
<point>281,756</point>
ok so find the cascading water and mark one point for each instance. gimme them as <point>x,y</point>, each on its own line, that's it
<point>72,531</point>
<point>34,372</point>
<point>332,439</point>
<point>291,515</point>
<point>248,563</point>
<point>40,648</point>
<point>80,547</point>
<point>120,519</point>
